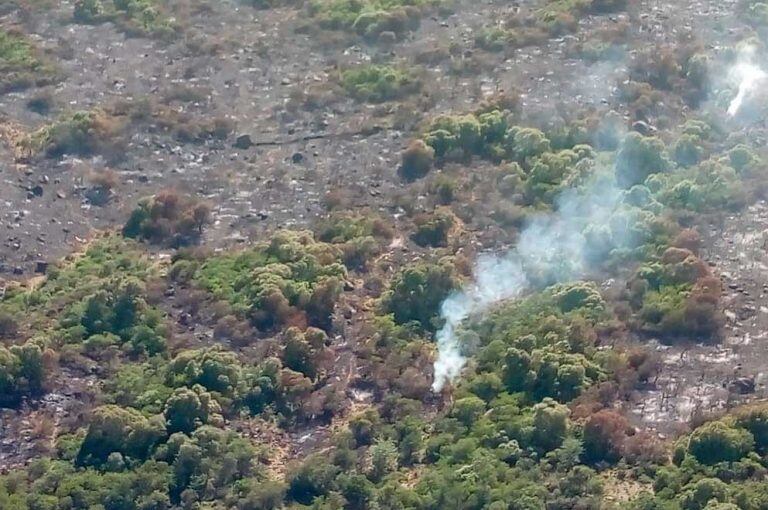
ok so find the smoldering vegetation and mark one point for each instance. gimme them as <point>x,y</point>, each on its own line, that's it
<point>367,255</point>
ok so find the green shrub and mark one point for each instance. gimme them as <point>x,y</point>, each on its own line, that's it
<point>418,291</point>
<point>291,278</point>
<point>369,18</point>
<point>433,229</point>
<point>21,63</point>
<point>88,11</point>
<point>717,441</point>
<point>550,424</point>
<point>116,430</point>
<point>147,18</point>
<point>377,83</point>
<point>754,418</point>
<point>22,373</point>
<point>638,158</point>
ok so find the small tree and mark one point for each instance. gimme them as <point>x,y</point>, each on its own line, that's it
<point>717,441</point>
<point>417,160</point>
<point>383,456</point>
<point>604,435</point>
<point>550,424</point>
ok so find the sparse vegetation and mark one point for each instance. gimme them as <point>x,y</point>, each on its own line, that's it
<point>135,17</point>
<point>22,64</point>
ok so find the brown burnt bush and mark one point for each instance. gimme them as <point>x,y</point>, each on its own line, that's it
<point>417,160</point>
<point>604,435</point>
<point>168,218</point>
<point>702,312</point>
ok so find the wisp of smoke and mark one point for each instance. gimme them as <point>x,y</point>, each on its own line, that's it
<point>551,249</point>
<point>748,75</point>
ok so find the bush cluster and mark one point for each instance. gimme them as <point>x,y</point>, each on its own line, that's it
<point>168,218</point>
<point>677,296</point>
<point>537,172</point>
<point>23,372</point>
<point>292,279</point>
<point>377,83</point>
<point>370,18</point>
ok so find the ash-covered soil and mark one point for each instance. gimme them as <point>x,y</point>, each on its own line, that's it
<point>704,380</point>
<point>245,72</point>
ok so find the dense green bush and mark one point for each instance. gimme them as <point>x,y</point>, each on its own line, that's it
<point>291,279</point>
<point>537,168</point>
<point>677,296</point>
<point>81,133</point>
<point>433,229</point>
<point>369,18</point>
<point>638,158</point>
<point>717,441</point>
<point>376,83</point>
<point>135,17</point>
<point>707,186</point>
<point>22,373</point>
<point>116,430</point>
<point>360,237</point>
<point>417,160</point>
<point>418,291</point>
<point>116,314</point>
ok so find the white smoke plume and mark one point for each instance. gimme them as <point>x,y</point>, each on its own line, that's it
<point>552,248</point>
<point>748,75</point>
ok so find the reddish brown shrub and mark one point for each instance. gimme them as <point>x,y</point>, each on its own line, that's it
<point>604,436</point>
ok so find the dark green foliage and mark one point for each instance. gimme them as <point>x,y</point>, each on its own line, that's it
<point>754,418</point>
<point>88,11</point>
<point>186,409</point>
<point>208,464</point>
<point>116,430</point>
<point>710,185</point>
<point>303,350</point>
<point>418,291</point>
<point>116,314</point>
<point>535,346</point>
<point>369,18</point>
<point>22,373</point>
<point>417,160</point>
<point>9,326</point>
<point>135,17</point>
<point>717,442</point>
<point>214,369</point>
<point>550,424</point>
<point>315,477</point>
<point>700,494</point>
<point>360,237</point>
<point>639,158</point>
